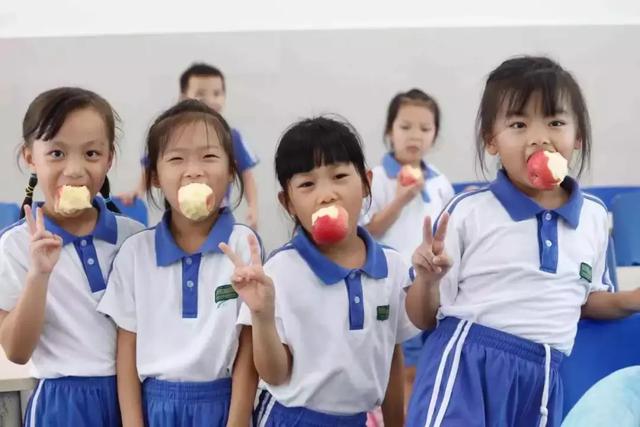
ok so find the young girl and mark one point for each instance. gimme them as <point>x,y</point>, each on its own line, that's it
<point>169,291</point>
<point>521,264</point>
<point>327,345</point>
<point>397,210</point>
<point>54,263</point>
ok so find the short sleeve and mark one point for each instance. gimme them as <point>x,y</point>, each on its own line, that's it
<point>405,329</point>
<point>13,270</point>
<point>454,248</point>
<point>245,159</point>
<point>118,301</point>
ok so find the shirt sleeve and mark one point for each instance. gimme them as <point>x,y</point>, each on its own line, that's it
<point>454,248</point>
<point>405,329</point>
<point>13,270</point>
<point>119,301</point>
<point>245,159</point>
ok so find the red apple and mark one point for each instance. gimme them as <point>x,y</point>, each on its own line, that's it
<point>329,225</point>
<point>546,170</point>
<point>409,175</point>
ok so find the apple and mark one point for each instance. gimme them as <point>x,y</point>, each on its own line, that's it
<point>72,199</point>
<point>195,200</point>
<point>329,225</point>
<point>409,175</point>
<point>546,170</point>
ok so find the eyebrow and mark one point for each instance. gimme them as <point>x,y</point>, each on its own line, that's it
<point>557,112</point>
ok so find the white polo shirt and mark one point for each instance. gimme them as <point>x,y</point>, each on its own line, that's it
<point>520,268</point>
<point>340,325</point>
<point>405,234</point>
<point>181,306</point>
<point>76,340</point>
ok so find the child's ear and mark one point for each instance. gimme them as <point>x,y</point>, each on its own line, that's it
<point>369,176</point>
<point>27,156</point>
<point>154,180</point>
<point>578,144</point>
<point>282,198</point>
<point>490,144</point>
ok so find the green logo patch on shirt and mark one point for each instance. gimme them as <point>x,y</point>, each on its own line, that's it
<point>585,272</point>
<point>224,293</point>
<point>382,312</point>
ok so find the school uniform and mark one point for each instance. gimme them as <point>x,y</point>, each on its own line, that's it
<point>405,234</point>
<point>183,311</point>
<point>510,306</point>
<point>74,360</point>
<point>341,327</point>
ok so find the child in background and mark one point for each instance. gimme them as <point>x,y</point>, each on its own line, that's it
<point>206,83</point>
<point>401,201</point>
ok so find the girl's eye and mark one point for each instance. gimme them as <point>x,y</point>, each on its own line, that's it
<point>557,123</point>
<point>517,125</point>
<point>405,127</point>
<point>305,184</point>
<point>56,154</point>
<point>426,129</point>
<point>211,156</point>
<point>92,154</point>
<point>174,159</point>
<point>341,175</point>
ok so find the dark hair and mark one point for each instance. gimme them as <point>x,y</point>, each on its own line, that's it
<point>411,97</point>
<point>515,81</point>
<point>318,141</point>
<point>46,115</point>
<point>165,125</point>
<point>200,69</point>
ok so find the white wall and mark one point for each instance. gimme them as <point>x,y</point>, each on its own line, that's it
<point>276,77</point>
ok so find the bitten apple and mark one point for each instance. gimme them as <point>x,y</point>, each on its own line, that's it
<point>409,175</point>
<point>546,170</point>
<point>72,199</point>
<point>329,225</point>
<point>195,200</point>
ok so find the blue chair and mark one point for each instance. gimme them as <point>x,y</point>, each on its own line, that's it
<point>137,210</point>
<point>601,348</point>
<point>9,213</point>
<point>607,193</point>
<point>626,228</point>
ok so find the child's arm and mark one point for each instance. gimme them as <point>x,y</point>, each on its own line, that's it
<point>251,195</point>
<point>272,358</point>
<point>430,263</point>
<point>387,216</point>
<point>245,382</point>
<point>129,388</point>
<point>608,305</point>
<point>393,404</point>
<point>20,328</point>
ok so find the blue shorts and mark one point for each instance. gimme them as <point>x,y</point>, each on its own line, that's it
<point>272,414</point>
<point>470,375</point>
<point>74,401</point>
<point>186,404</point>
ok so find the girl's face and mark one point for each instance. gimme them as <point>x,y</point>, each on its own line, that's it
<point>412,133</point>
<point>517,135</point>
<point>80,154</point>
<point>334,184</point>
<point>193,154</point>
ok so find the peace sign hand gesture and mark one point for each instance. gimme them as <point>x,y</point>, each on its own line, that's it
<point>250,282</point>
<point>430,260</point>
<point>45,247</point>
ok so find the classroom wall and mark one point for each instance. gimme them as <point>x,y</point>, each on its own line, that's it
<point>277,77</point>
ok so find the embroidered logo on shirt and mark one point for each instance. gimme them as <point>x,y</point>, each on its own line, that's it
<point>382,312</point>
<point>585,272</point>
<point>225,293</point>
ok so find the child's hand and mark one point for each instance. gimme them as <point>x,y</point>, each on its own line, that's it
<point>430,260</point>
<point>45,247</point>
<point>406,193</point>
<point>250,282</point>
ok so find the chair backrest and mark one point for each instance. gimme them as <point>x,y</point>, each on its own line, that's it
<point>608,193</point>
<point>137,210</point>
<point>612,263</point>
<point>626,228</point>
<point>601,347</point>
<point>9,213</point>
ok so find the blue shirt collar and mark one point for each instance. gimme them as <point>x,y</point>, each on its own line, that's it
<point>106,226</point>
<point>329,272</point>
<point>521,207</point>
<point>392,167</point>
<point>168,251</point>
